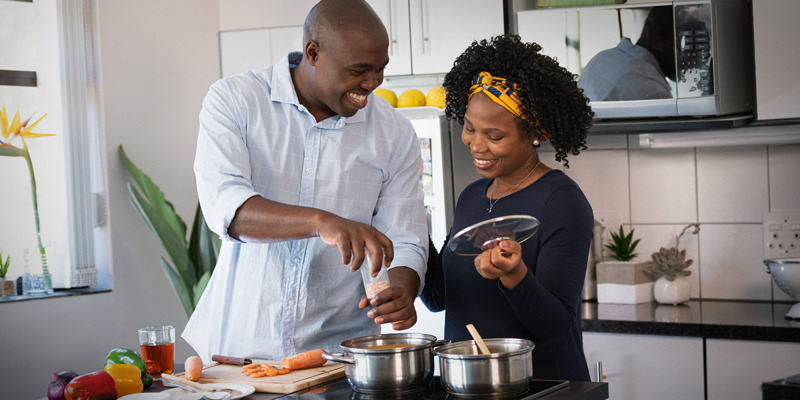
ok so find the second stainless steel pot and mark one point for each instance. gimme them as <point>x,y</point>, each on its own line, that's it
<point>374,365</point>
<point>506,371</point>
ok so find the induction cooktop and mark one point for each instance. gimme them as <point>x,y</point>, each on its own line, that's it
<point>341,390</point>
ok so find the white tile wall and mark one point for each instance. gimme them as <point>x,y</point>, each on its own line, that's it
<point>725,189</point>
<point>784,182</point>
<point>731,184</point>
<point>663,186</point>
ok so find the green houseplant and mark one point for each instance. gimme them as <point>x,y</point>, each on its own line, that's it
<point>620,279</point>
<point>7,288</point>
<point>622,246</point>
<point>193,261</point>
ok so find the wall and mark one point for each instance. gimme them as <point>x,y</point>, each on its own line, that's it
<point>157,60</point>
<point>725,189</point>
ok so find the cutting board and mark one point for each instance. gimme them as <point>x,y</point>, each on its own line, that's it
<point>288,383</point>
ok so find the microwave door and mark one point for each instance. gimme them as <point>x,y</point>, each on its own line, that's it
<point>634,108</point>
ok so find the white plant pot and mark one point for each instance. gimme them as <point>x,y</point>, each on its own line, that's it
<point>674,292</point>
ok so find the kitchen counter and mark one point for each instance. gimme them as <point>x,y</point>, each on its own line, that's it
<point>741,320</point>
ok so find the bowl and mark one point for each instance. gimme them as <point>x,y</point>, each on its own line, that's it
<point>467,373</point>
<point>786,274</point>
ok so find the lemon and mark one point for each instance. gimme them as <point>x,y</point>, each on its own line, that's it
<point>411,98</point>
<point>436,97</point>
<point>388,95</point>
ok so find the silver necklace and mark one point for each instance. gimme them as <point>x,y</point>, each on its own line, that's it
<point>494,186</point>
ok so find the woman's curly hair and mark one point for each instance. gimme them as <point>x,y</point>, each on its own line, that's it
<point>546,89</point>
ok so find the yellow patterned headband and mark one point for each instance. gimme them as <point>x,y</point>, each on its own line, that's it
<point>503,92</point>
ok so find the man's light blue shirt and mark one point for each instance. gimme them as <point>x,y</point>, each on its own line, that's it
<point>270,300</point>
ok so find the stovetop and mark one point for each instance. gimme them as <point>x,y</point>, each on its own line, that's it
<point>341,390</point>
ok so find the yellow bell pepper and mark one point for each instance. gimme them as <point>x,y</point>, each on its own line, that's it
<point>127,378</point>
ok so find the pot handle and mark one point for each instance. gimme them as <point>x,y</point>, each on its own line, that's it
<point>338,357</point>
<point>441,342</point>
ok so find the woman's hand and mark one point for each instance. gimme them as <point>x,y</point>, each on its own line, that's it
<point>503,261</point>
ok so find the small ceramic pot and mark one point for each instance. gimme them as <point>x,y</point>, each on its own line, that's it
<point>674,292</point>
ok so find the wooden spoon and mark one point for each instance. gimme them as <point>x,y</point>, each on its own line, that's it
<point>478,339</point>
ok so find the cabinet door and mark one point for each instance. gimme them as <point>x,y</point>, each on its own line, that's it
<point>736,368</point>
<point>647,367</point>
<point>394,14</point>
<point>244,50</point>
<point>442,29</point>
<point>241,51</point>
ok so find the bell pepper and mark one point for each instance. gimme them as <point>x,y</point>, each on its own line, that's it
<point>127,378</point>
<point>98,385</point>
<point>130,357</point>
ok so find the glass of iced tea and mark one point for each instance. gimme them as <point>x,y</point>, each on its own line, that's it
<point>158,349</point>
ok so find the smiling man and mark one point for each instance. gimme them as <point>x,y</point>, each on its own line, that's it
<point>306,174</point>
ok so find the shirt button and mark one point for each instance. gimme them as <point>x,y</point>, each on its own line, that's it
<point>291,302</point>
<point>288,342</point>
<point>296,260</point>
<point>308,170</point>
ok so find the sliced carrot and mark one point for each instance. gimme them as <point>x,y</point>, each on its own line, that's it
<point>308,359</point>
<point>259,374</point>
<point>250,366</point>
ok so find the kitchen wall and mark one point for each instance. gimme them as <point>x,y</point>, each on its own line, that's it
<point>157,60</point>
<point>726,189</point>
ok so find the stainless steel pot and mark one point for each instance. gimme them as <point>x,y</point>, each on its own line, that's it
<point>465,372</point>
<point>388,370</point>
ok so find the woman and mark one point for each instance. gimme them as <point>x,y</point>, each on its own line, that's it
<point>511,98</point>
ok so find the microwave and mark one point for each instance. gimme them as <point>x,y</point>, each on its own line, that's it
<point>679,58</point>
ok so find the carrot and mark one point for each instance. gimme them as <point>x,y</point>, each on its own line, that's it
<point>308,359</point>
<point>250,366</point>
<point>193,367</point>
<point>258,375</point>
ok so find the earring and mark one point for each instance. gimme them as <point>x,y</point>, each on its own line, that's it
<point>535,142</point>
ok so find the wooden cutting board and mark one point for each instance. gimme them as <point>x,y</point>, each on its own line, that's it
<point>288,383</point>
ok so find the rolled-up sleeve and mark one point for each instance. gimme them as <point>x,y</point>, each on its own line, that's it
<point>222,162</point>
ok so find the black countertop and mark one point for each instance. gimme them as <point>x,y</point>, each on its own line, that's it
<point>742,320</point>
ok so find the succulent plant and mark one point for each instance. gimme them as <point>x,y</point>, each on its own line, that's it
<point>623,246</point>
<point>672,262</point>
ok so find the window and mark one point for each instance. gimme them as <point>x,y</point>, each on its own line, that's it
<point>47,68</point>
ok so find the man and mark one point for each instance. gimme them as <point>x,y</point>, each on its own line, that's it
<point>635,72</point>
<point>302,171</point>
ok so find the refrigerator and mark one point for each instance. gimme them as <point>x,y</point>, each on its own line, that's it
<point>447,169</point>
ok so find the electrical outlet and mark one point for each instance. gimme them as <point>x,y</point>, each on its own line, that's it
<point>781,235</point>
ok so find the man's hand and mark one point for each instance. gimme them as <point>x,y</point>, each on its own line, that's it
<point>355,240</point>
<point>395,305</point>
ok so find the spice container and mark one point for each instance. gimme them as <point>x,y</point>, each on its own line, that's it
<point>374,285</point>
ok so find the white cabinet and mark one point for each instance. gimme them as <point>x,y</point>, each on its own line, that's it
<point>257,48</point>
<point>647,367</point>
<point>426,36</point>
<point>775,32</point>
<point>736,368</point>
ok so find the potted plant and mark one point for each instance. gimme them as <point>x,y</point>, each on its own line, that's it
<point>7,288</point>
<point>622,279</point>
<point>194,260</point>
<point>669,267</point>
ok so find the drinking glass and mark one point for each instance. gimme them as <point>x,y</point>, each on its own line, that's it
<point>158,349</point>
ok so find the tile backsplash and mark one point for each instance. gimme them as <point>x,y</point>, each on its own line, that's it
<point>725,189</point>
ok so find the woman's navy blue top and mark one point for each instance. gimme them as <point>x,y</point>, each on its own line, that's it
<point>545,306</point>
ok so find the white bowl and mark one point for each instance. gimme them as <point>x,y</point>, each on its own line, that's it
<point>786,274</point>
